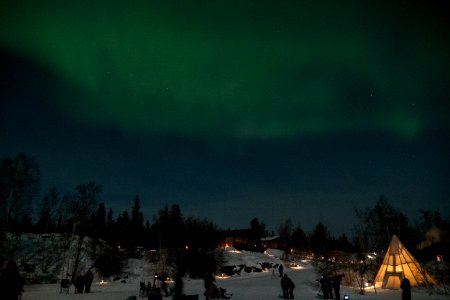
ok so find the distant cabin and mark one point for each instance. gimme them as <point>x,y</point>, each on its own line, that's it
<point>245,239</point>
<point>272,242</point>
<point>237,238</point>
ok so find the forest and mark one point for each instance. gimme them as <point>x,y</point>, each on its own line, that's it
<point>188,241</point>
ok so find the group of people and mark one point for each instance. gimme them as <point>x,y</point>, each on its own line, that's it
<point>210,286</point>
<point>83,283</point>
<point>211,290</point>
<point>11,282</point>
<point>331,285</point>
<point>160,290</point>
<point>288,286</point>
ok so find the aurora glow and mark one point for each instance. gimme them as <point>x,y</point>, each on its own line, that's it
<point>246,69</point>
<point>233,109</point>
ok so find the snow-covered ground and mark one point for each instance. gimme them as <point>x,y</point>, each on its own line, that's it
<point>254,285</point>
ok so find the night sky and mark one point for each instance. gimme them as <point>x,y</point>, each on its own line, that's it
<point>233,109</point>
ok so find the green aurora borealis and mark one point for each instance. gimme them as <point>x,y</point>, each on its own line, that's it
<point>233,109</point>
<point>240,69</point>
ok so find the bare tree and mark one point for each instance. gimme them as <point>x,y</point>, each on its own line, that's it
<point>378,224</point>
<point>19,184</point>
<point>82,206</point>
<point>48,211</point>
<point>285,232</point>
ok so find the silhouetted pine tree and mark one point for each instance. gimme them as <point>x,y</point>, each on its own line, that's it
<point>136,224</point>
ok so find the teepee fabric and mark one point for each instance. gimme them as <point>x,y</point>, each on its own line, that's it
<point>398,264</point>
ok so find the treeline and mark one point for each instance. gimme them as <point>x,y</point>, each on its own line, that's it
<point>80,213</point>
<point>187,243</point>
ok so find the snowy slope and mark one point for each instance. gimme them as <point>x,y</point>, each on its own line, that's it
<point>259,285</point>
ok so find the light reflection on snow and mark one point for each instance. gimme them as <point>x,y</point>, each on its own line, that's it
<point>295,266</point>
<point>232,250</point>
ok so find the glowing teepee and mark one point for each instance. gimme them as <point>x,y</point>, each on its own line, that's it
<point>398,264</point>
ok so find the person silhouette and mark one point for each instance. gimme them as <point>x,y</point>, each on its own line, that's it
<point>405,285</point>
<point>88,279</point>
<point>285,286</point>
<point>11,283</point>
